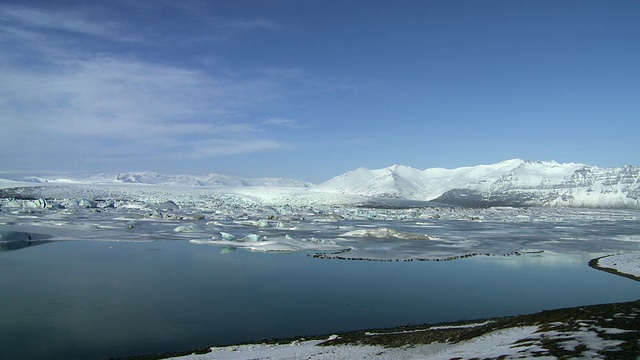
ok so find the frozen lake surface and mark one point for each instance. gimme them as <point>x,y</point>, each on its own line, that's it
<point>104,272</point>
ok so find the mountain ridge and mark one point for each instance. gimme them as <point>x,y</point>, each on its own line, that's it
<point>153,178</point>
<point>514,182</point>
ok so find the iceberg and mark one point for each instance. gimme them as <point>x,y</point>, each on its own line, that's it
<point>386,233</point>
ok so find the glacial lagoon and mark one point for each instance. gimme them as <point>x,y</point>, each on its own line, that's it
<point>102,299</point>
<point>139,275</point>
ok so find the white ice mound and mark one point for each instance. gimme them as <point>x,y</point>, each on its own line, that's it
<point>227,236</point>
<point>26,204</point>
<point>258,243</point>
<point>167,205</point>
<point>254,237</point>
<point>188,229</point>
<point>386,233</point>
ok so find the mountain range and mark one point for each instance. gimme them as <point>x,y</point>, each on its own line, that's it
<point>514,182</point>
<point>153,178</point>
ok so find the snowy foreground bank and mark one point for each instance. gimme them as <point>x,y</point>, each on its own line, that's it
<point>624,264</point>
<point>609,331</point>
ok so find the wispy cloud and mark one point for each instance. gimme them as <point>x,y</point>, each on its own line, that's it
<point>220,147</point>
<point>108,104</point>
<point>110,98</point>
<point>78,21</point>
<point>292,124</point>
<point>257,24</point>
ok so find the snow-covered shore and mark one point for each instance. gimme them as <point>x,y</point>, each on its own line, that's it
<point>622,264</point>
<point>490,345</point>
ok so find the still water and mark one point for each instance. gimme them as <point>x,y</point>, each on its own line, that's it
<point>95,300</point>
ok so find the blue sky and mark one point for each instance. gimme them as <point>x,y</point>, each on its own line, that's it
<point>311,89</point>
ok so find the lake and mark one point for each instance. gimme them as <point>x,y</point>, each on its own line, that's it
<point>94,299</point>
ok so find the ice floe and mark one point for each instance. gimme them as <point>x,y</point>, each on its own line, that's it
<point>386,233</point>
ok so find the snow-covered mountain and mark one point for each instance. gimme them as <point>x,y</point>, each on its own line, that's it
<point>152,178</point>
<point>509,183</point>
<point>512,182</point>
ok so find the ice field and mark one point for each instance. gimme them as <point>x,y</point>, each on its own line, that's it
<point>288,220</point>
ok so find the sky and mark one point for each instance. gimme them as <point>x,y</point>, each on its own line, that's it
<point>310,89</point>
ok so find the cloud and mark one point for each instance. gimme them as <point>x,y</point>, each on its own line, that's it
<point>108,98</point>
<point>221,147</point>
<point>114,97</point>
<point>292,124</point>
<point>70,98</point>
<point>257,24</point>
<point>77,21</point>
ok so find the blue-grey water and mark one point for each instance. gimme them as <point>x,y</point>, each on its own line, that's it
<point>95,300</point>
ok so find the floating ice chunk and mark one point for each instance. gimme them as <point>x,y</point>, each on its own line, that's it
<point>319,241</point>
<point>167,205</point>
<point>35,204</point>
<point>386,233</point>
<point>108,203</point>
<point>253,237</point>
<point>263,223</point>
<point>79,203</point>
<point>187,228</point>
<point>11,203</point>
<point>326,220</point>
<point>156,214</point>
<point>227,236</point>
<point>247,223</point>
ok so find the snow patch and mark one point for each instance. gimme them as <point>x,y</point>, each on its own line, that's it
<point>624,263</point>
